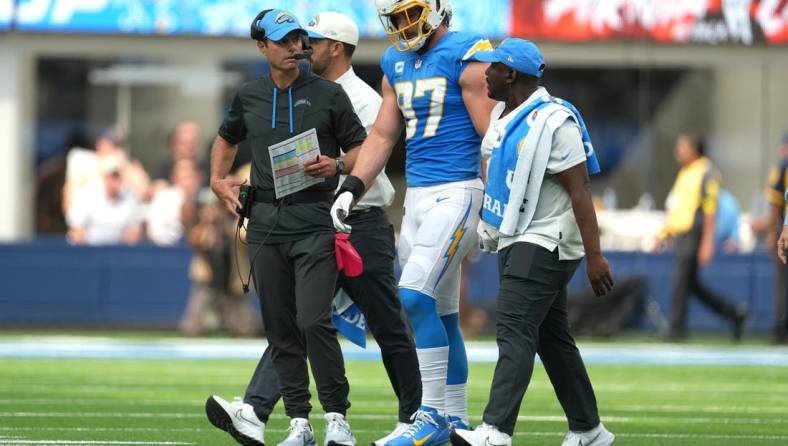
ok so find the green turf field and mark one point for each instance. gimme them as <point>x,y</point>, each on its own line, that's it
<point>157,402</point>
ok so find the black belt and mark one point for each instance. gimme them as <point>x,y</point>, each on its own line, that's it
<point>362,211</point>
<point>304,196</point>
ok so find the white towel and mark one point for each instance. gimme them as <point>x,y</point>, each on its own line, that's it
<point>530,170</point>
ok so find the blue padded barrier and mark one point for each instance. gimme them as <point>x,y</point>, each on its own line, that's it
<point>50,282</point>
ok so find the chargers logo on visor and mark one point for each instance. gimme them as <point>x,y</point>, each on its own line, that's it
<point>284,18</point>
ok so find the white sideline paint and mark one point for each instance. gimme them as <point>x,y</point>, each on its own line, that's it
<point>108,348</point>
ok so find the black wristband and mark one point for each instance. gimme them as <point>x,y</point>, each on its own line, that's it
<point>353,185</point>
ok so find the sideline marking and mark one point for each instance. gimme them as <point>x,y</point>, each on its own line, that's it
<point>77,347</point>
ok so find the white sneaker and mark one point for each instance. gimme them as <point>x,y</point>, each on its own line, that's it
<point>338,431</point>
<point>598,436</point>
<point>399,430</point>
<point>299,434</point>
<point>484,435</point>
<point>237,419</point>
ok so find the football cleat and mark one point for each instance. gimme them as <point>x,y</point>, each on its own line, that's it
<point>398,430</point>
<point>428,429</point>
<point>598,436</point>
<point>299,434</point>
<point>484,435</point>
<point>237,419</point>
<point>338,431</point>
<point>457,423</point>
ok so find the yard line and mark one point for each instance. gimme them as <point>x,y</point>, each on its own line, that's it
<point>540,418</point>
<point>100,402</point>
<point>369,431</point>
<point>671,436</point>
<point>104,429</point>
<point>695,409</point>
<point>91,442</point>
<point>104,414</point>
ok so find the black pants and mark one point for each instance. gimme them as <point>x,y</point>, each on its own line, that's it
<point>295,282</point>
<point>532,318</point>
<point>686,282</point>
<point>785,296</point>
<point>375,292</point>
<point>780,301</point>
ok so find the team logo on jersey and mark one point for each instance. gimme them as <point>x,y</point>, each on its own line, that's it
<point>480,45</point>
<point>399,67</point>
<point>417,64</point>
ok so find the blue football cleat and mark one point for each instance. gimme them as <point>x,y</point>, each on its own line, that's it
<point>457,423</point>
<point>428,429</point>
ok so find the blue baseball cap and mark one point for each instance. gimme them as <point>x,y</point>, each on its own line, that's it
<point>518,54</point>
<point>278,23</point>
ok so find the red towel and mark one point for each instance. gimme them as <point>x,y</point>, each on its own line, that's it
<point>348,259</point>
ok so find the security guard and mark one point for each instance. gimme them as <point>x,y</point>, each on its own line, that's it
<point>334,37</point>
<point>691,207</point>
<point>291,239</point>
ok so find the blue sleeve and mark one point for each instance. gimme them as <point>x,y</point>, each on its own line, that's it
<point>470,44</point>
<point>386,64</point>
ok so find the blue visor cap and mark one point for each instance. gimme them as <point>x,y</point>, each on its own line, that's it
<point>517,54</point>
<point>278,23</point>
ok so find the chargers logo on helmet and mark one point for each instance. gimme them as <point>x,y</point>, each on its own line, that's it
<point>419,19</point>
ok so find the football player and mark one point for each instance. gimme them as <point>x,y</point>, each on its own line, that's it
<point>440,96</point>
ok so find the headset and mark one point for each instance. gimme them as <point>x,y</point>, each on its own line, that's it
<point>257,32</point>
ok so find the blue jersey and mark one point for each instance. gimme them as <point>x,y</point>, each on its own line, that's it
<point>442,143</point>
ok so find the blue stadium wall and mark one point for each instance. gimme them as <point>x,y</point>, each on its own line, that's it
<point>49,283</point>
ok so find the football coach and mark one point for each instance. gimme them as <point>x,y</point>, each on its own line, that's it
<point>291,238</point>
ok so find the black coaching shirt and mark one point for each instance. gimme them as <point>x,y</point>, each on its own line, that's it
<point>266,115</point>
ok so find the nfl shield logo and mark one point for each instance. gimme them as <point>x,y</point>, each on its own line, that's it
<point>418,64</point>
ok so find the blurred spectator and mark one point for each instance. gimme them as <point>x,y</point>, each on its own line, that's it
<point>104,211</point>
<point>183,143</point>
<point>726,227</point>
<point>771,225</point>
<point>175,207</point>
<point>83,166</point>
<point>213,272</point>
<point>50,179</point>
<point>691,207</point>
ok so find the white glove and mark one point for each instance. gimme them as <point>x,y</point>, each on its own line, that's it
<point>340,210</point>
<point>488,237</point>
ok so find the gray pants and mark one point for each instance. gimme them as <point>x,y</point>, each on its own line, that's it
<point>375,293</point>
<point>295,282</point>
<point>532,318</point>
